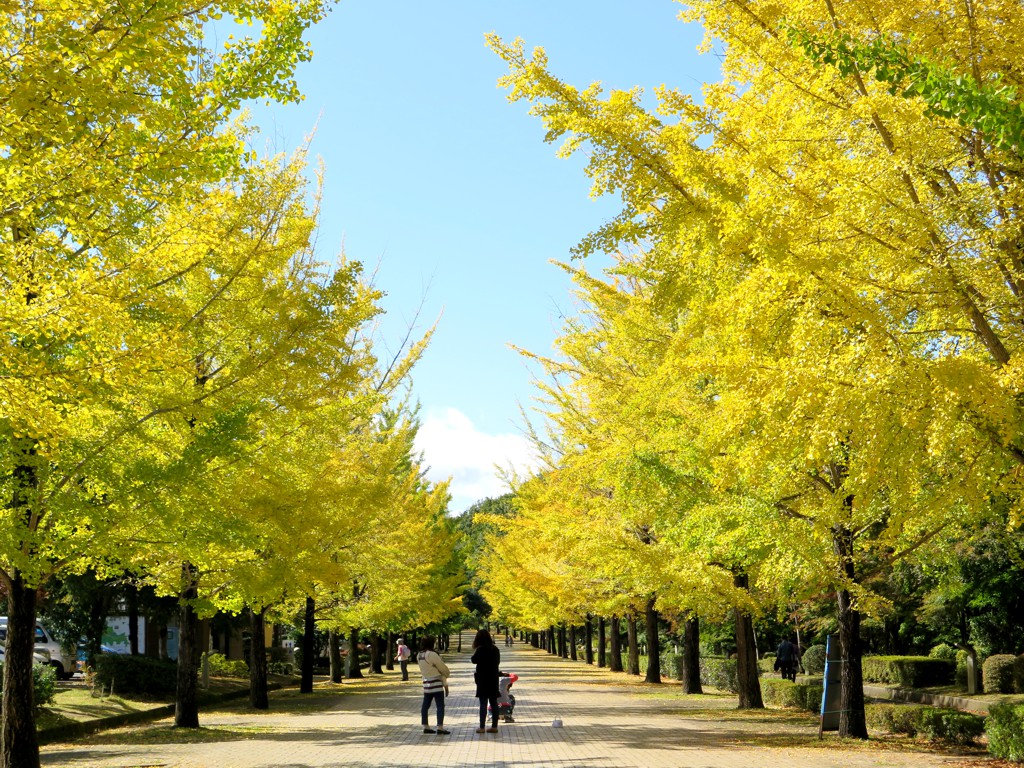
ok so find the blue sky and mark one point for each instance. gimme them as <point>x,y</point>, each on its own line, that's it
<point>450,194</point>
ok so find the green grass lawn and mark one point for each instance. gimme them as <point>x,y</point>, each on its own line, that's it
<point>75,702</point>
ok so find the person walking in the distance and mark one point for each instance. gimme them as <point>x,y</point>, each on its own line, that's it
<point>402,655</point>
<point>487,658</point>
<point>435,684</point>
<point>786,659</point>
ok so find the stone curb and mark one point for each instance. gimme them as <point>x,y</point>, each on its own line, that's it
<point>920,697</point>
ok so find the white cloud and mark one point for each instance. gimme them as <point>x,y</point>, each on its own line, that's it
<point>453,447</point>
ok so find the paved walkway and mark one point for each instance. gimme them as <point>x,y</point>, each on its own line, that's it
<point>607,722</point>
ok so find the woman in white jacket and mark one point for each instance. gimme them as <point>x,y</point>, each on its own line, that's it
<point>435,684</point>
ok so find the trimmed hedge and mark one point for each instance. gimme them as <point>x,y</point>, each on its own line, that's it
<point>720,673</point>
<point>814,660</point>
<point>672,665</point>
<point>784,693</point>
<point>950,725</point>
<point>44,684</point>
<point>1018,674</point>
<point>893,718</point>
<point>997,673</point>
<point>223,667</point>
<point>908,671</point>
<point>1005,730</point>
<point>935,723</point>
<point>136,674</point>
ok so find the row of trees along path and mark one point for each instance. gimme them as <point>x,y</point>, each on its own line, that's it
<point>607,720</point>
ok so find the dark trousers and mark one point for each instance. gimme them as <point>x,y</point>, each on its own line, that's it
<point>437,696</point>
<point>404,664</point>
<point>788,670</point>
<point>484,701</point>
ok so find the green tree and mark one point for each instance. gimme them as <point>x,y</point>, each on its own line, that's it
<point>110,113</point>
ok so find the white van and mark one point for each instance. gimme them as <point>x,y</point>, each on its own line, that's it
<point>46,647</point>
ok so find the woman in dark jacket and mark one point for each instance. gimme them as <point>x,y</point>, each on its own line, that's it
<point>487,658</point>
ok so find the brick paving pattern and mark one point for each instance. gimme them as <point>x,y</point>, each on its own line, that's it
<point>605,724</point>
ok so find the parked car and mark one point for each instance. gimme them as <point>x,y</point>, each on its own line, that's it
<point>47,643</point>
<point>39,655</point>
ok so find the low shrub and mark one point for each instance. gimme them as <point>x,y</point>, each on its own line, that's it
<point>719,673</point>
<point>908,671</point>
<point>935,723</point>
<point>997,673</point>
<point>781,693</point>
<point>950,725</point>
<point>44,684</point>
<point>814,660</point>
<point>784,693</point>
<point>136,674</point>
<point>1005,730</point>
<point>672,665</point>
<point>223,667</point>
<point>44,680</point>
<point>894,718</point>
<point>280,668</point>
<point>1018,674</point>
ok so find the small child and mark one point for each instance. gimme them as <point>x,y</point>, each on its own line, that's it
<point>506,701</point>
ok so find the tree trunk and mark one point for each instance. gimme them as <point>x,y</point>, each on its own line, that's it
<point>615,662</point>
<point>353,671</point>
<point>389,651</point>
<point>572,644</point>
<point>132,599</point>
<point>375,660</point>
<point>186,704</point>
<point>633,658</point>
<point>308,646</point>
<point>534,640</point>
<point>601,642</point>
<point>337,667</point>
<point>19,745</point>
<point>589,632</point>
<point>653,646</point>
<point>691,655</point>
<point>551,641</point>
<point>852,722</point>
<point>258,697</point>
<point>99,607</point>
<point>746,655</point>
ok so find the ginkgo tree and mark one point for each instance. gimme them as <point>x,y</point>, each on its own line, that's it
<point>111,112</point>
<point>264,333</point>
<point>403,572</point>
<point>841,265</point>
